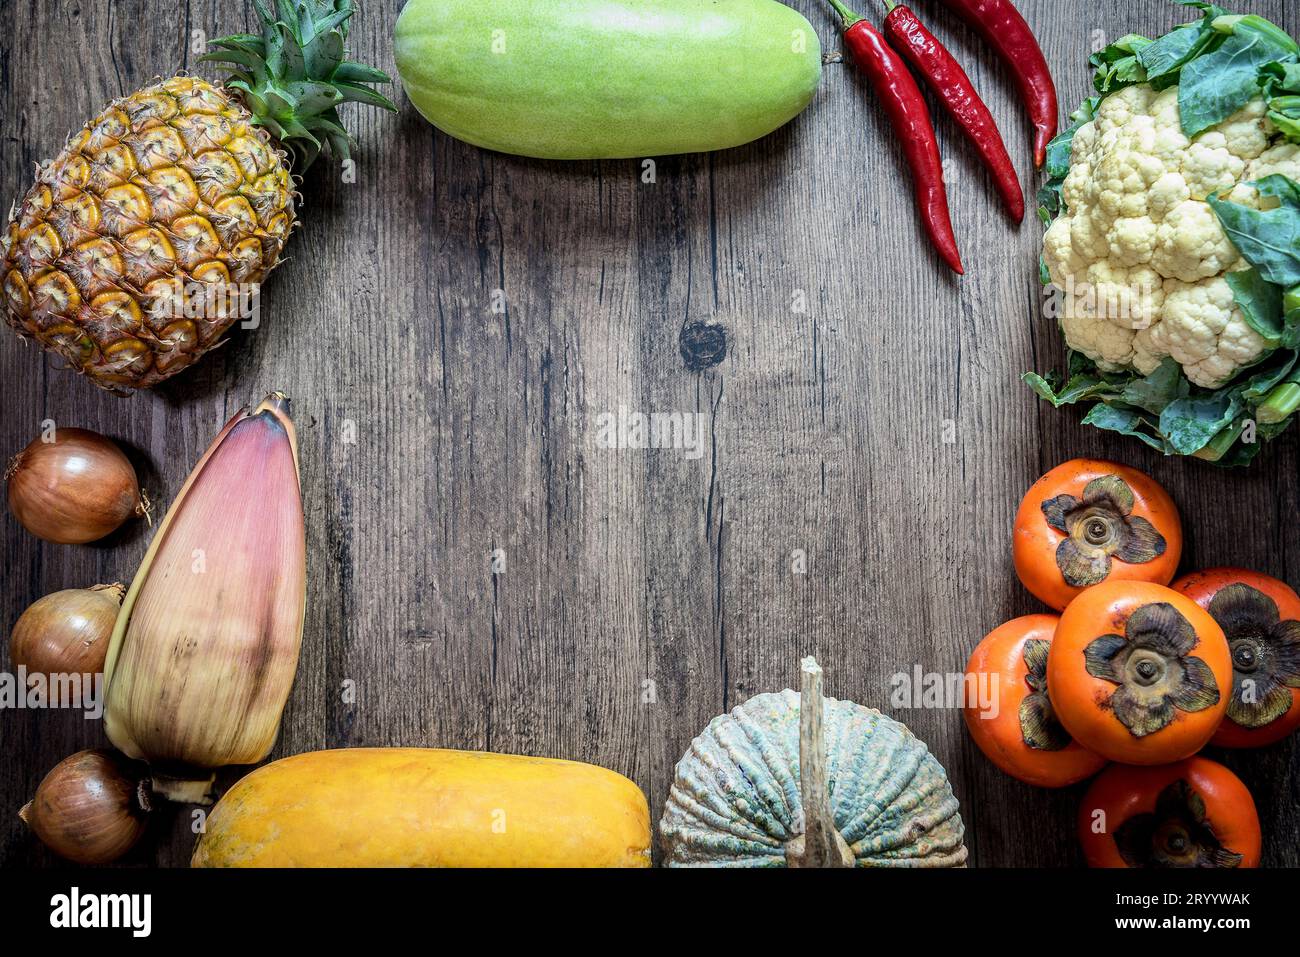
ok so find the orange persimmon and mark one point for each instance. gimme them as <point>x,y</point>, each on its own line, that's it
<point>1089,521</point>
<point>1139,673</point>
<point>1261,618</point>
<point>1195,813</point>
<point>1008,710</point>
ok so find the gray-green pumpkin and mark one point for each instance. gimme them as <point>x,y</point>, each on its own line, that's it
<point>829,783</point>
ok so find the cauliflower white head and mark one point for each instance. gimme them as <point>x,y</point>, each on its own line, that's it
<point>1139,255</point>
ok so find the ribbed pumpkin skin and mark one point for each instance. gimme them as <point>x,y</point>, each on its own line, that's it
<point>426,807</point>
<point>735,800</point>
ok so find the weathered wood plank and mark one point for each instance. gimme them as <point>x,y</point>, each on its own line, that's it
<point>484,574</point>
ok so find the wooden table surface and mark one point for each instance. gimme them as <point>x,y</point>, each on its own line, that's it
<point>867,415</point>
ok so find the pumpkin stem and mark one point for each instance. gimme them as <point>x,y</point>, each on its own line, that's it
<point>821,844</point>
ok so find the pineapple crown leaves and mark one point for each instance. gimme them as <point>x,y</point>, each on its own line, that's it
<point>294,75</point>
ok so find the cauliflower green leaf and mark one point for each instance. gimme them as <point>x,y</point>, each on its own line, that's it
<point>1282,91</point>
<point>1118,65</point>
<point>1164,59</point>
<point>1137,59</point>
<point>1260,302</point>
<point>1269,239</point>
<point>1219,83</point>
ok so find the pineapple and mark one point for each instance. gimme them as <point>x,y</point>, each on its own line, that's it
<point>131,254</point>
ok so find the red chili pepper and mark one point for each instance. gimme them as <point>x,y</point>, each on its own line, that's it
<point>910,118</point>
<point>954,88</point>
<point>1004,29</point>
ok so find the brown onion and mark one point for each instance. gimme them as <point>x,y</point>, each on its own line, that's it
<point>92,808</point>
<point>67,632</point>
<point>75,488</point>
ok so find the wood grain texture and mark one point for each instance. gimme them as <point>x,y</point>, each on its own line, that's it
<point>881,432</point>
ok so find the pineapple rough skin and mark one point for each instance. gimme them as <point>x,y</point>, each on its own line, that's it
<point>170,191</point>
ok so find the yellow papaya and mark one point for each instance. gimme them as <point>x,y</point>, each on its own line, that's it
<point>426,807</point>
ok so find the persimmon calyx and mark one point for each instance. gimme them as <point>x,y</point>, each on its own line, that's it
<point>1039,727</point>
<point>1098,528</point>
<point>1154,668</point>
<point>1177,834</point>
<point>1265,654</point>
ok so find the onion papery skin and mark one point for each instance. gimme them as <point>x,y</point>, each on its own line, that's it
<point>75,489</point>
<point>91,808</point>
<point>67,632</point>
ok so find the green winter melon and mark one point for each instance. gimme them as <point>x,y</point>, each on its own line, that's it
<point>604,79</point>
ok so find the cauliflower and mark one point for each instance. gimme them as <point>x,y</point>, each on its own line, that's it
<point>1139,255</point>
<point>1172,207</point>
